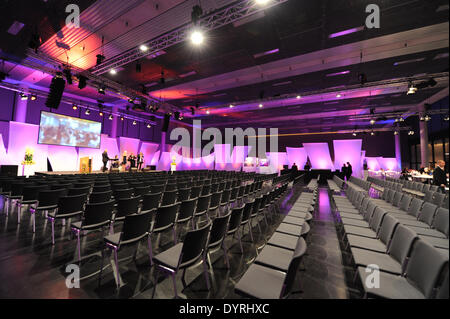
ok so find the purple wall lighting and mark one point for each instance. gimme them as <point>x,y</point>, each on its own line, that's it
<point>319,155</point>
<point>372,163</point>
<point>388,164</point>
<point>296,155</point>
<point>348,151</point>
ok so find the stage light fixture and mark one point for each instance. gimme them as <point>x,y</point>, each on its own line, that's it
<point>121,118</point>
<point>74,107</point>
<point>372,133</point>
<point>33,97</point>
<point>101,90</point>
<point>260,105</point>
<point>149,126</point>
<point>196,14</point>
<point>100,59</point>
<point>111,117</point>
<point>427,118</point>
<point>138,67</point>
<point>100,113</point>
<point>56,91</point>
<point>207,112</point>
<point>396,133</point>
<point>338,95</point>
<point>68,76</point>
<point>354,134</point>
<point>411,133</point>
<point>134,123</point>
<point>231,106</point>
<point>113,71</point>
<point>162,80</point>
<point>88,112</point>
<point>411,89</point>
<point>81,82</point>
<point>197,37</point>
<point>192,111</point>
<point>262,2</point>
<point>143,47</point>
<point>298,97</point>
<point>23,96</point>
<point>446,117</point>
<point>372,122</point>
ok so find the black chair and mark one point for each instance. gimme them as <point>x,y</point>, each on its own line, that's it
<point>184,194</point>
<point>151,201</point>
<point>29,197</point>
<point>195,191</point>
<point>187,211</point>
<point>96,216</point>
<point>100,197</point>
<point>246,218</point>
<point>215,202</point>
<point>68,207</point>
<point>157,188</point>
<point>234,225</point>
<point>47,201</point>
<point>225,200</point>
<point>169,198</point>
<point>123,193</point>
<point>125,207</point>
<point>183,256</point>
<point>135,228</point>
<point>171,187</point>
<point>217,238</point>
<point>165,218</point>
<point>202,207</point>
<point>101,188</point>
<point>206,190</point>
<point>15,194</point>
<point>141,191</point>
<point>78,191</point>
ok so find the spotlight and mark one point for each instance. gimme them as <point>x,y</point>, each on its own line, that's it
<point>35,42</point>
<point>354,134</point>
<point>101,89</point>
<point>427,118</point>
<point>87,112</point>
<point>396,120</point>
<point>401,119</point>
<point>446,118</point>
<point>74,107</point>
<point>134,122</point>
<point>100,113</point>
<point>176,115</point>
<point>149,126</point>
<point>111,117</point>
<point>113,71</point>
<point>207,112</point>
<point>231,106</point>
<point>396,133</point>
<point>68,75</point>
<point>262,2</point>
<point>298,97</point>
<point>130,100</point>
<point>411,89</point>
<point>411,133</point>
<point>56,91</point>
<point>121,118</point>
<point>260,105</point>
<point>163,79</point>
<point>196,13</point>
<point>143,47</point>
<point>33,97</point>
<point>372,122</point>
<point>372,133</point>
<point>100,59</point>
<point>23,96</point>
<point>197,37</point>
<point>338,95</point>
<point>81,82</point>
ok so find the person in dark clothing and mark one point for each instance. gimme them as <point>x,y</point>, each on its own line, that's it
<point>439,176</point>
<point>349,170</point>
<point>344,171</point>
<point>307,166</point>
<point>294,170</point>
<point>105,160</point>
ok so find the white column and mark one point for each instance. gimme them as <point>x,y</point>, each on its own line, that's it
<point>20,111</point>
<point>398,151</point>
<point>423,125</point>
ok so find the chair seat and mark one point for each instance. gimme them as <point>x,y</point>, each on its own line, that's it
<point>283,241</point>
<point>289,229</point>
<point>113,239</point>
<point>402,215</point>
<point>355,222</point>
<point>427,232</point>
<point>436,242</point>
<point>386,263</point>
<point>305,215</point>
<point>275,257</point>
<point>359,231</point>
<point>391,286</point>
<point>56,216</point>
<point>169,257</point>
<point>351,216</point>
<point>261,282</point>
<point>51,207</point>
<point>293,220</point>
<point>415,223</point>
<point>366,243</point>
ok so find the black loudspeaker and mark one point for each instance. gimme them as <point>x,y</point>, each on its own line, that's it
<point>56,91</point>
<point>165,126</point>
<point>8,170</point>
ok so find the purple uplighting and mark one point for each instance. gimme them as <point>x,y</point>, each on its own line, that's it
<point>345,32</point>
<point>348,151</point>
<point>338,73</point>
<point>319,155</point>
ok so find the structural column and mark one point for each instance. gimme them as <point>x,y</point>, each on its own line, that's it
<point>398,151</point>
<point>20,112</point>
<point>162,146</point>
<point>423,125</point>
<point>114,122</point>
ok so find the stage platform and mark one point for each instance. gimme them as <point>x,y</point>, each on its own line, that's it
<point>93,172</point>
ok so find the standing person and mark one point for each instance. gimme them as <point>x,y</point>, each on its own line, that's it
<point>344,171</point>
<point>439,176</point>
<point>105,159</point>
<point>307,166</point>
<point>349,170</point>
<point>132,160</point>
<point>140,161</point>
<point>124,160</point>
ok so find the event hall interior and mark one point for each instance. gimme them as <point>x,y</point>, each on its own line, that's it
<point>224,149</point>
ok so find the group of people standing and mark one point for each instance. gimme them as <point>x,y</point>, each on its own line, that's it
<point>128,161</point>
<point>346,171</point>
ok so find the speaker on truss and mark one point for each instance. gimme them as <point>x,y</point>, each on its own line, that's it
<point>165,126</point>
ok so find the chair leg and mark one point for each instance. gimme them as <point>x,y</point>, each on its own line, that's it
<point>174,280</point>
<point>101,268</point>
<point>174,230</point>
<point>240,240</point>
<point>33,215</point>
<point>183,278</point>
<point>155,282</point>
<point>205,272</point>
<point>53,230</point>
<point>250,230</point>
<point>150,251</point>
<point>78,245</point>
<point>225,252</point>
<point>116,261</point>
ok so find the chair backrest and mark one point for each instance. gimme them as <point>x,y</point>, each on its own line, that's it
<point>50,197</point>
<point>425,267</point>
<point>426,188</point>
<point>123,193</point>
<point>405,202</point>
<point>246,213</point>
<point>415,207</point>
<point>427,213</point>
<point>370,211</point>
<point>165,217</point>
<point>157,188</point>
<point>377,218</point>
<point>215,200</point>
<point>233,194</point>
<point>428,196</point>
<point>397,199</point>
<point>441,220</point>
<point>169,198</point>
<point>187,209</point>
<point>387,229</point>
<point>184,194</point>
<point>218,230</point>
<point>194,246</point>
<point>390,197</point>
<point>443,290</point>
<point>151,201</point>
<point>100,197</point>
<point>17,188</point>
<point>434,188</point>
<point>127,206</point>
<point>206,189</point>
<point>235,220</point>
<point>97,214</point>
<point>99,189</point>
<point>78,191</point>
<point>31,192</point>
<point>171,187</point>
<point>401,244</point>
<point>135,227</point>
<point>195,191</point>
<point>71,204</point>
<point>141,190</point>
<point>438,199</point>
<point>203,204</point>
<point>293,268</point>
<point>256,206</point>
<point>225,197</point>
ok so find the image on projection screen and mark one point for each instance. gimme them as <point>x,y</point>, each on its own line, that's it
<point>56,129</point>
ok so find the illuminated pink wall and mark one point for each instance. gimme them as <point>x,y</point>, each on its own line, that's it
<point>149,150</point>
<point>372,163</point>
<point>276,161</point>
<point>131,145</point>
<point>63,158</point>
<point>388,164</point>
<point>348,151</point>
<point>319,155</point>
<point>296,155</point>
